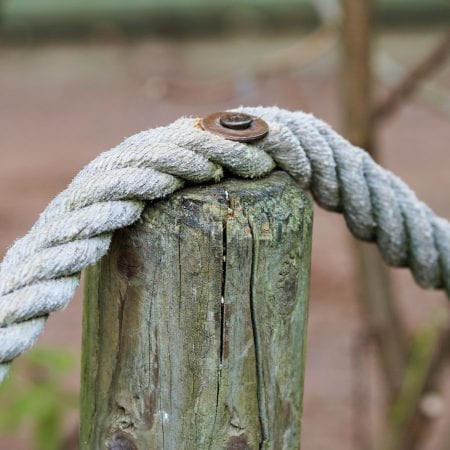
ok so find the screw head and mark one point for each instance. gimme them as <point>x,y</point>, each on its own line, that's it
<point>235,126</point>
<point>236,120</point>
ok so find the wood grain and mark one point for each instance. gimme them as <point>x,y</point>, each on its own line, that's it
<point>195,323</point>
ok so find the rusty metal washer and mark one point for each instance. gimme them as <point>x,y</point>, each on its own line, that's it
<point>235,126</point>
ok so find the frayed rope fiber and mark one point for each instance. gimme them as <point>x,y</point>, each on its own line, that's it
<point>41,271</point>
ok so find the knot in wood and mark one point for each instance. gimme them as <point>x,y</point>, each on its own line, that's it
<point>121,441</point>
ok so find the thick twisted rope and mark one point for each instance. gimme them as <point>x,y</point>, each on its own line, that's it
<point>41,271</point>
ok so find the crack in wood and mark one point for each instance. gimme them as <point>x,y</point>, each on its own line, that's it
<point>262,412</point>
<point>209,330</point>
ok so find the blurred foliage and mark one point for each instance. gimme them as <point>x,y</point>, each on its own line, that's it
<point>24,19</point>
<point>35,395</point>
<point>56,7</point>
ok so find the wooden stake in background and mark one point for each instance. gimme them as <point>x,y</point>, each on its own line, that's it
<point>195,323</point>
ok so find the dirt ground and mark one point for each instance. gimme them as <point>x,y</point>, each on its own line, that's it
<point>62,104</point>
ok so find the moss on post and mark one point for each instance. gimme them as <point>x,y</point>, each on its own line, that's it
<point>195,323</point>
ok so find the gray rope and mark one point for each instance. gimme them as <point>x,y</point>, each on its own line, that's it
<point>41,271</point>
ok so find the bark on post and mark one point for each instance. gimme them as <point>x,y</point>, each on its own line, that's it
<point>195,323</point>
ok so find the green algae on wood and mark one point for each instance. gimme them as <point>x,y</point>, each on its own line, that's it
<point>195,323</point>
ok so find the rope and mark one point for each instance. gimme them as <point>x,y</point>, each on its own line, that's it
<point>40,273</point>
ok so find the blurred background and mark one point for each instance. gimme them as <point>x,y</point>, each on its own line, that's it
<point>77,77</point>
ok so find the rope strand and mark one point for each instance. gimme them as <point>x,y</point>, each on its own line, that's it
<point>41,271</point>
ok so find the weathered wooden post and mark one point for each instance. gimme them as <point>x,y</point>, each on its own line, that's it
<point>195,323</point>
